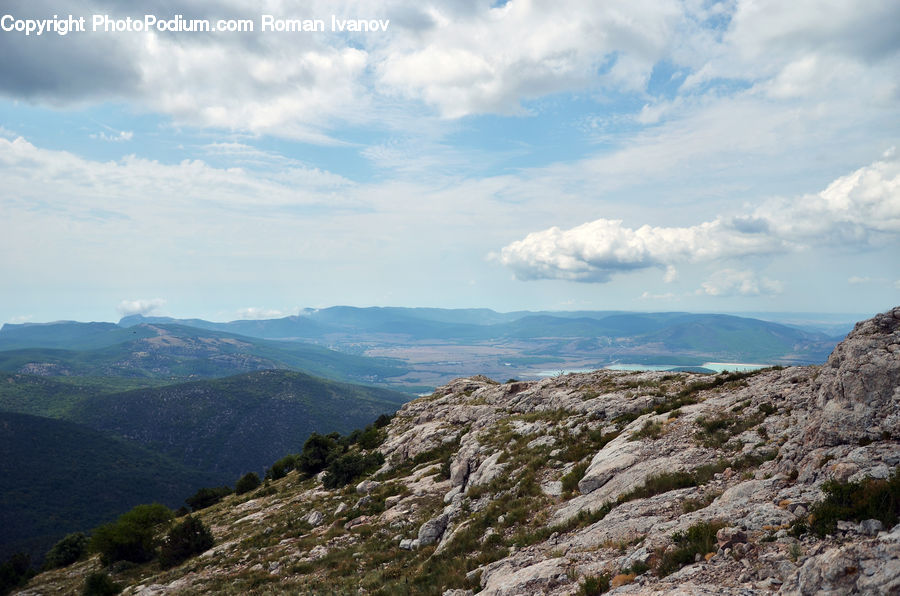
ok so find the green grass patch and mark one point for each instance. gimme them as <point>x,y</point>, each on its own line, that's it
<point>697,539</point>
<point>870,498</point>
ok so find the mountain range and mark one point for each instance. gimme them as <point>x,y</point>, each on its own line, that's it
<point>782,480</point>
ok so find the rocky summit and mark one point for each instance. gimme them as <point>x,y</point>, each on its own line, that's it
<point>777,481</point>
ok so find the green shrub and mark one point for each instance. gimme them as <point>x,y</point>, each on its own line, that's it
<point>246,483</point>
<point>14,572</point>
<point>185,540</point>
<point>350,466</point>
<point>371,438</point>
<point>99,584</point>
<point>132,536</point>
<point>383,420</point>
<point>594,585</point>
<point>281,467</point>
<point>66,551</point>
<point>650,430</point>
<point>570,481</point>
<point>318,451</point>
<point>870,498</point>
<point>206,497</point>
<point>697,539</point>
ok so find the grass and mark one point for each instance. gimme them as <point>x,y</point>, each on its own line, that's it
<point>697,539</point>
<point>870,498</point>
<point>650,430</point>
<point>594,584</point>
<point>570,481</point>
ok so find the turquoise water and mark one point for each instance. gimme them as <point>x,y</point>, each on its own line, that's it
<point>714,366</point>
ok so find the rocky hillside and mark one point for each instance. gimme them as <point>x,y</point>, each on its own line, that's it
<point>640,483</point>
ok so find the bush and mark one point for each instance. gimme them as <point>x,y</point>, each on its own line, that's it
<point>246,483</point>
<point>383,421</point>
<point>318,451</point>
<point>350,466</point>
<point>371,438</point>
<point>697,539</point>
<point>870,498</point>
<point>66,551</point>
<point>594,585</point>
<point>14,572</point>
<point>131,537</point>
<point>281,468</point>
<point>99,584</point>
<point>185,540</point>
<point>206,497</point>
<point>570,481</point>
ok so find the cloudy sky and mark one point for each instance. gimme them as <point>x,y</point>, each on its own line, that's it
<point>647,155</point>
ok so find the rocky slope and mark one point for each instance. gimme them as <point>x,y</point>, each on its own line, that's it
<point>661,483</point>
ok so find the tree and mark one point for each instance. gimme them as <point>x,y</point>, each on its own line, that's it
<point>246,483</point>
<point>185,540</point>
<point>66,551</point>
<point>99,584</point>
<point>318,451</point>
<point>132,536</point>
<point>206,497</point>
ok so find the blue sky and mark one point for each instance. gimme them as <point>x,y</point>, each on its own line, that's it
<point>694,155</point>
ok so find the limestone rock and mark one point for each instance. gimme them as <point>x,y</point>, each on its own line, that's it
<point>431,531</point>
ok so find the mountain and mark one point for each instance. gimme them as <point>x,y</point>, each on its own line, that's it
<point>781,480</point>
<point>437,345</point>
<point>60,477</point>
<point>67,335</point>
<point>237,424</point>
<point>166,351</point>
<point>225,426</point>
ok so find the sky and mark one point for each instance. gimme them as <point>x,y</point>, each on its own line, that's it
<point>524,155</point>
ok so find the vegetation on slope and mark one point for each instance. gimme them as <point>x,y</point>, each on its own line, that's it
<point>60,477</point>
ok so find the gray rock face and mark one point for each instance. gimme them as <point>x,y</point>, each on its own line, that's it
<point>869,567</point>
<point>431,531</point>
<point>858,392</point>
<point>315,518</point>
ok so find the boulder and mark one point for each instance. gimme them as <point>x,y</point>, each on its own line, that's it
<point>431,531</point>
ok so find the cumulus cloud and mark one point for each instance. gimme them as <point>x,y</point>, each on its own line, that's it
<point>594,251</point>
<point>492,59</point>
<point>856,210</point>
<point>140,306</point>
<point>732,282</point>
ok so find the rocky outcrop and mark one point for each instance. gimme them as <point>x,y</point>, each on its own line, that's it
<point>858,388</point>
<point>541,487</point>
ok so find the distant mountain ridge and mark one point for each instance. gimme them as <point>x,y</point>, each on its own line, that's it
<point>170,351</point>
<point>411,349</point>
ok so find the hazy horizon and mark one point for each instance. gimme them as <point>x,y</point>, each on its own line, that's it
<point>730,156</point>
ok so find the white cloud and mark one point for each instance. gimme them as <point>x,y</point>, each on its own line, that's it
<point>859,208</point>
<point>856,210</point>
<point>139,307</point>
<point>731,282</point>
<point>856,280</point>
<point>495,58</point>
<point>594,251</point>
<point>18,319</point>
<point>122,135</point>
<point>254,313</point>
<point>651,296</point>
